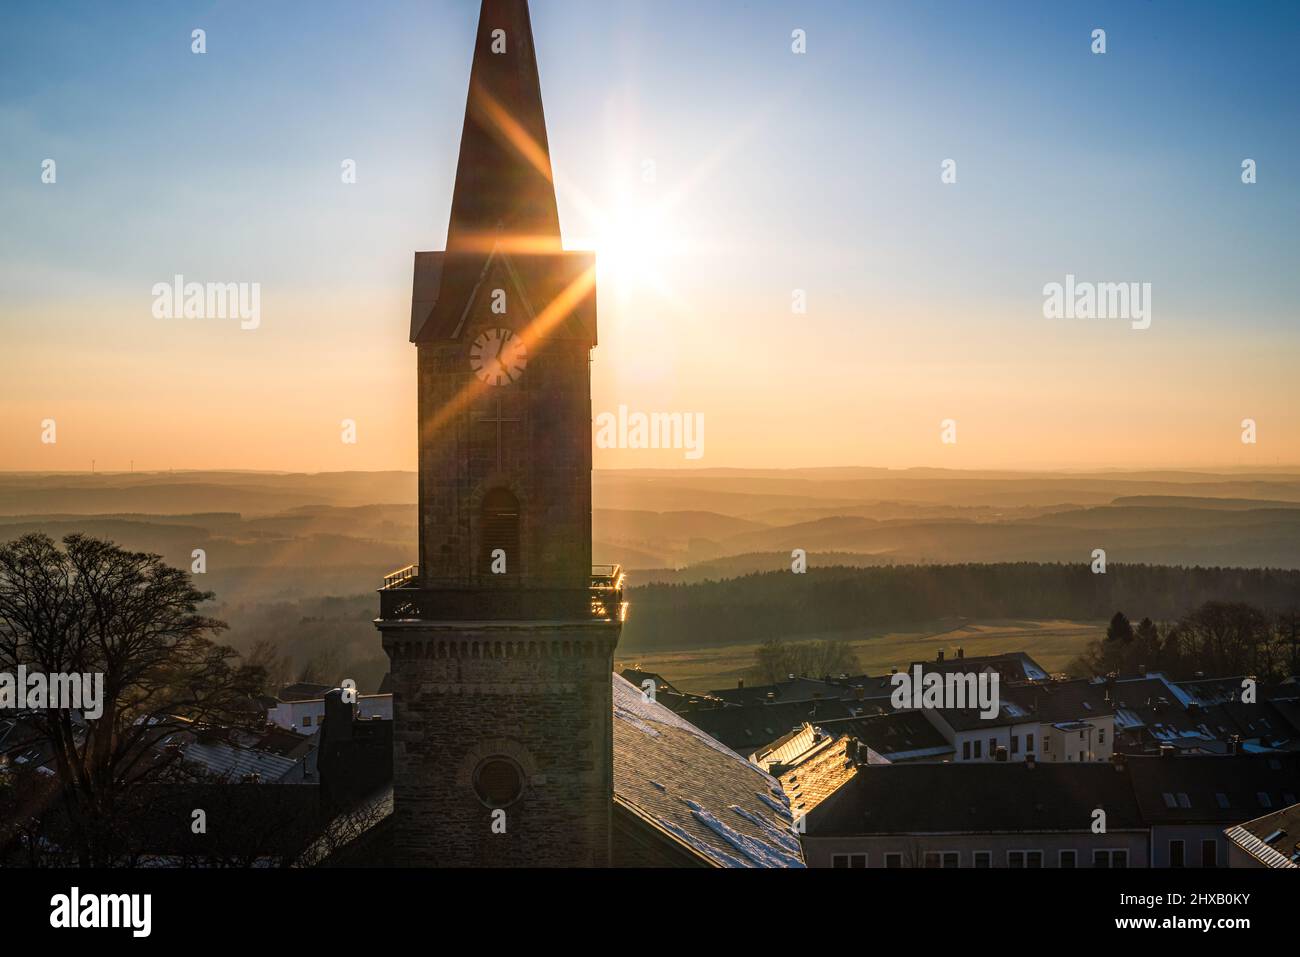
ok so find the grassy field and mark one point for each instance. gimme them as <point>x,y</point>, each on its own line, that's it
<point>1051,643</point>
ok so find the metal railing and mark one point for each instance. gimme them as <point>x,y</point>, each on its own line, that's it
<point>402,576</point>
<point>401,599</point>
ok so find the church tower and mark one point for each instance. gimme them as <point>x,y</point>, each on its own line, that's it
<point>501,640</point>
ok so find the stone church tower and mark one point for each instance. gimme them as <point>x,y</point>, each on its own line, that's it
<point>501,640</point>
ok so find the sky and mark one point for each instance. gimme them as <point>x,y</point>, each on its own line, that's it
<point>719,175</point>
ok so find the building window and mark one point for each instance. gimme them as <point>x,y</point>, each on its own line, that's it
<point>983,859</point>
<point>1015,744</point>
<point>840,860</point>
<point>1020,859</point>
<point>1081,757</point>
<point>993,746</point>
<point>1264,800</point>
<point>1175,853</point>
<point>1101,735</point>
<point>965,750</point>
<point>932,859</point>
<point>951,859</point>
<point>1069,858</point>
<point>306,721</point>
<point>500,530</point>
<point>1222,798</point>
<point>1112,858</point>
<point>978,746</point>
<point>1047,743</point>
<point>1080,735</point>
<point>1029,742</point>
<point>1210,853</point>
<point>893,860</point>
<point>858,860</point>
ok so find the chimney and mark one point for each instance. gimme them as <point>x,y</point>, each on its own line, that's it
<point>338,717</point>
<point>940,655</point>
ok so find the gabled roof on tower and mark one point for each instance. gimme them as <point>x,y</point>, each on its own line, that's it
<point>504,186</point>
<point>560,287</point>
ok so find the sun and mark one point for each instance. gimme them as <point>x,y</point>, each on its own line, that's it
<point>633,241</point>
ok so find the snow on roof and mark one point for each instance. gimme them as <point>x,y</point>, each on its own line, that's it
<point>705,795</point>
<point>221,758</point>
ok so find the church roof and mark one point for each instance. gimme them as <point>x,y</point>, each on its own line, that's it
<point>700,793</point>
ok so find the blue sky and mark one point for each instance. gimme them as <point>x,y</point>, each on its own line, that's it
<point>818,172</point>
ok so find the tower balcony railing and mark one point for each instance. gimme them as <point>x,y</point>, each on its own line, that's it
<point>402,599</point>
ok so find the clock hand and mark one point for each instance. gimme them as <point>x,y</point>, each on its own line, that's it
<point>501,344</point>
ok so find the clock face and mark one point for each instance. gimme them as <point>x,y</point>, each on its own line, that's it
<point>498,357</point>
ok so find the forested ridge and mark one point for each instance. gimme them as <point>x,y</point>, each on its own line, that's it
<point>782,604</point>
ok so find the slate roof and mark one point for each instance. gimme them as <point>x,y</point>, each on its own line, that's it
<point>898,736</point>
<point>1055,701</point>
<point>812,764</point>
<point>706,796</point>
<point>796,689</point>
<point>667,694</point>
<point>1210,789</point>
<point>1203,715</point>
<point>303,691</point>
<point>1273,840</point>
<point>746,729</point>
<point>993,797</point>
<point>1011,667</point>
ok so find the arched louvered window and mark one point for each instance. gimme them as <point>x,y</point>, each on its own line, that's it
<point>500,524</point>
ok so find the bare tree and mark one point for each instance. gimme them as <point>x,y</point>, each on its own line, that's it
<point>275,666</point>
<point>779,659</point>
<point>95,608</point>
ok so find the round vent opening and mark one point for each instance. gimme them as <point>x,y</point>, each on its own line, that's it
<point>498,782</point>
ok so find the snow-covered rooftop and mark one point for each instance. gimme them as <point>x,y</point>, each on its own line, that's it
<point>705,795</point>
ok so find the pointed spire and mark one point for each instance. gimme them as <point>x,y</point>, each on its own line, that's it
<point>504,189</point>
